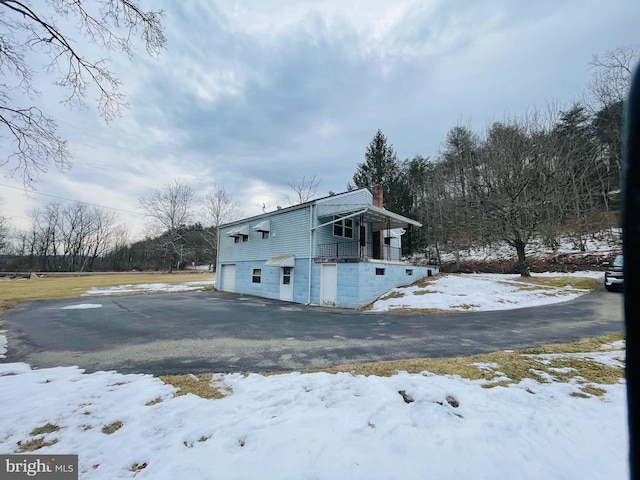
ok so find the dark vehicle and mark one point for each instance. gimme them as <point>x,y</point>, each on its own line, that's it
<point>613,277</point>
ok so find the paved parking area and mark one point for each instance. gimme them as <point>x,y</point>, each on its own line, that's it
<point>222,332</point>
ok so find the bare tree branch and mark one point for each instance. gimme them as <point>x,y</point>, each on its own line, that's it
<point>220,207</point>
<point>304,189</point>
<point>4,230</point>
<point>27,33</point>
<point>612,74</point>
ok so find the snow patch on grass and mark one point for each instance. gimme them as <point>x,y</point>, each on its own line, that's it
<point>482,292</point>
<point>151,288</point>
<point>319,425</point>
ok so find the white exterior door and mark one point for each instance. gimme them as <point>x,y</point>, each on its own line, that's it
<point>328,285</point>
<point>228,278</point>
<point>286,284</point>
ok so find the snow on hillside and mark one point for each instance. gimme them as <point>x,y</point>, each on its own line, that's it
<point>603,242</point>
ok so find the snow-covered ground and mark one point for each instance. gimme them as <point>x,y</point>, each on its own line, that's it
<point>318,426</point>
<point>477,292</point>
<point>323,426</point>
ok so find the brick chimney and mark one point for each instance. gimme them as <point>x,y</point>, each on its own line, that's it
<point>378,196</point>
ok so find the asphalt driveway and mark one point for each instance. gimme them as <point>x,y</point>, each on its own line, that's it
<point>222,332</point>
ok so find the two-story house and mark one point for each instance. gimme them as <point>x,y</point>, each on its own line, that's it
<point>343,250</point>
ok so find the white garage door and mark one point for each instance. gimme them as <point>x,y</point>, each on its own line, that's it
<point>228,278</point>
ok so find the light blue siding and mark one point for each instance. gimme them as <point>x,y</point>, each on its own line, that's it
<point>358,284</point>
<point>289,234</point>
<point>269,286</point>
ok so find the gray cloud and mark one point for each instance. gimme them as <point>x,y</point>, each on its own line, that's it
<point>252,94</point>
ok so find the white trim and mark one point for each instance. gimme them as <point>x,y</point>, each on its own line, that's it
<point>341,218</point>
<point>378,215</point>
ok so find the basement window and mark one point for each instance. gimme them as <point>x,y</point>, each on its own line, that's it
<point>379,271</point>
<point>256,277</point>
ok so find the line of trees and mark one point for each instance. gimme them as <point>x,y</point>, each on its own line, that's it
<point>66,237</point>
<point>79,237</point>
<point>540,174</point>
<point>533,175</point>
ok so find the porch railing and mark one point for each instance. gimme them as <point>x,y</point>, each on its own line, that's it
<point>355,250</point>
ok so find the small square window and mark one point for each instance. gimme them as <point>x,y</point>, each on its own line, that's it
<point>409,272</point>
<point>256,277</point>
<point>245,238</point>
<point>379,271</point>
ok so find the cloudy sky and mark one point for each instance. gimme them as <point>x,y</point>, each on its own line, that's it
<point>253,94</point>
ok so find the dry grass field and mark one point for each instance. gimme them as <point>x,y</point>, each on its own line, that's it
<point>22,290</point>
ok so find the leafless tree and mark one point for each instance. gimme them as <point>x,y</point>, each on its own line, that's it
<point>4,230</point>
<point>105,233</point>
<point>514,180</point>
<point>304,189</point>
<point>85,234</point>
<point>170,209</point>
<point>119,256</point>
<point>45,227</point>
<point>219,208</point>
<point>612,72</point>
<point>607,90</point>
<point>37,39</point>
<point>67,236</point>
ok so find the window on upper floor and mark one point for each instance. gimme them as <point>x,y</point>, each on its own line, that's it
<point>265,235</point>
<point>240,238</point>
<point>343,227</point>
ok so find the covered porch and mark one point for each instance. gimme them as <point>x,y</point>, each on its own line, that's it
<point>374,234</point>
